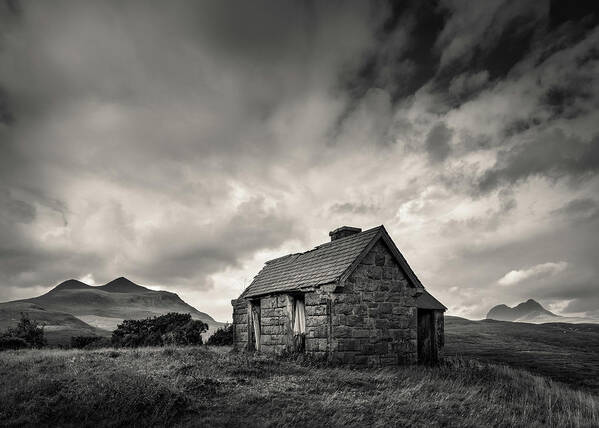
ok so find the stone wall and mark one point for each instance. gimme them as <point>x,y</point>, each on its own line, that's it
<point>318,326</point>
<point>275,324</point>
<point>240,324</point>
<point>373,320</point>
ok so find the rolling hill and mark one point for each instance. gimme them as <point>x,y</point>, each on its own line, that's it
<point>60,326</point>
<point>73,307</point>
<point>562,351</point>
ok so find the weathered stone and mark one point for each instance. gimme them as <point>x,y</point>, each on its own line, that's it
<point>271,329</point>
<point>380,296</point>
<point>341,331</point>
<point>338,320</point>
<point>370,319</point>
<point>381,348</point>
<point>360,309</point>
<point>375,272</point>
<point>367,296</point>
<point>360,333</point>
<point>388,273</point>
<point>320,331</point>
<point>316,310</point>
<point>381,323</point>
<point>368,259</point>
<point>314,298</point>
<point>353,320</point>
<point>386,308</point>
<point>316,320</point>
<point>343,308</point>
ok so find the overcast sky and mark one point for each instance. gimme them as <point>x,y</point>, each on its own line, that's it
<point>182,144</point>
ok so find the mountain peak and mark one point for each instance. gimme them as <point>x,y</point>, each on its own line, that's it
<point>71,284</point>
<point>122,285</point>
<point>530,304</point>
<point>524,311</point>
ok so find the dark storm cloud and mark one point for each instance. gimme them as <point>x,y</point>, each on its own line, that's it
<point>223,244</point>
<point>403,57</point>
<point>580,209</point>
<point>178,103</point>
<point>353,208</point>
<point>14,210</point>
<point>554,155</point>
<point>562,100</point>
<point>184,143</point>
<point>437,142</point>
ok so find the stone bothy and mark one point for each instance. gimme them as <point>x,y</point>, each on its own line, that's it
<point>353,300</point>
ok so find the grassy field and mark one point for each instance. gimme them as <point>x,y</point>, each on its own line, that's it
<point>212,387</point>
<point>567,353</point>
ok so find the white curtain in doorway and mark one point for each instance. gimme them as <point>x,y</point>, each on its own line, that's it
<point>256,323</point>
<point>299,326</point>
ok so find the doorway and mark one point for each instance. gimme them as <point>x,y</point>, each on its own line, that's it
<point>427,344</point>
<point>299,323</point>
<point>254,326</point>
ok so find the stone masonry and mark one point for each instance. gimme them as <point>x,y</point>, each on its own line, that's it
<point>276,324</point>
<point>370,321</point>
<point>240,323</point>
<point>374,318</point>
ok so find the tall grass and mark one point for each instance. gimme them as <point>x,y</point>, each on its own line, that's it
<point>200,387</point>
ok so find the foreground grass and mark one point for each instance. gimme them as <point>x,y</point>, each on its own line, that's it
<point>203,387</point>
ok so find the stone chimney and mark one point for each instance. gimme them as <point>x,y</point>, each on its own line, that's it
<point>343,231</point>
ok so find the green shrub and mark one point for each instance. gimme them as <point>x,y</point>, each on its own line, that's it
<point>81,342</point>
<point>27,330</point>
<point>222,337</point>
<point>11,342</point>
<point>102,342</point>
<point>170,329</point>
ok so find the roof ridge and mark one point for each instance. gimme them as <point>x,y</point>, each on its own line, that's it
<point>320,265</point>
<point>323,244</point>
<point>347,237</point>
<point>286,256</point>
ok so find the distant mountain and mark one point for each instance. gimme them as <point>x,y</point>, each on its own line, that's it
<point>531,311</point>
<point>98,309</point>
<point>123,285</point>
<point>527,310</point>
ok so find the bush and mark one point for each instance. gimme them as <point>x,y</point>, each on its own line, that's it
<point>80,342</point>
<point>102,342</point>
<point>11,342</point>
<point>28,331</point>
<point>222,337</point>
<point>170,329</point>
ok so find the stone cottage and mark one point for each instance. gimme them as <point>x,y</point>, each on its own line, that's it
<point>354,300</point>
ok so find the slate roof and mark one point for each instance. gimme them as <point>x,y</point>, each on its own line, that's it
<point>427,301</point>
<point>323,265</point>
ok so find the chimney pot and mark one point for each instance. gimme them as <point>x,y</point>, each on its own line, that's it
<point>343,231</point>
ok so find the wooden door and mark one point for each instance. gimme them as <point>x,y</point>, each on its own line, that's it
<point>426,337</point>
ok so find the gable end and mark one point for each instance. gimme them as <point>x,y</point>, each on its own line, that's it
<point>399,258</point>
